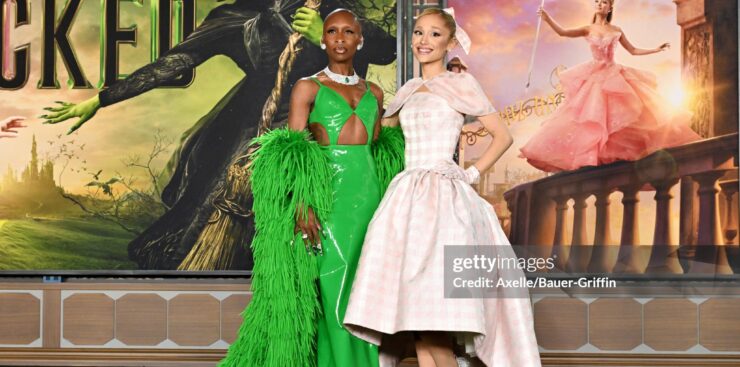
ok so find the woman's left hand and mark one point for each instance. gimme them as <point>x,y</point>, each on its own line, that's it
<point>664,47</point>
<point>84,110</point>
<point>309,24</point>
<point>472,175</point>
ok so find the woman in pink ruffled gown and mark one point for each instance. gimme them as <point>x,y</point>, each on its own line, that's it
<point>611,112</point>
<point>398,286</point>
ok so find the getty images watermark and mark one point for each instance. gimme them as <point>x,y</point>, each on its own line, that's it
<point>496,271</point>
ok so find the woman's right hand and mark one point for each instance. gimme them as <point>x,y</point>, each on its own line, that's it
<point>310,228</point>
<point>84,110</point>
<point>9,125</point>
<point>543,13</point>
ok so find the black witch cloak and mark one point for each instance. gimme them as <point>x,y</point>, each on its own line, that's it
<point>252,34</point>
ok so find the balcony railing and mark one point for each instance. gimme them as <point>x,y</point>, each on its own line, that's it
<point>706,171</point>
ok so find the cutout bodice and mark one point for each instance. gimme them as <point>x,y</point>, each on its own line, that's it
<point>332,111</point>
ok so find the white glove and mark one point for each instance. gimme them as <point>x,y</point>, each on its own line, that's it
<point>472,175</point>
<point>463,361</point>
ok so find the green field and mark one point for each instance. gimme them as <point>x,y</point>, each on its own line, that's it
<point>63,244</point>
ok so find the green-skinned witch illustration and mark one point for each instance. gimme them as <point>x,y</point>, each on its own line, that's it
<point>208,225</point>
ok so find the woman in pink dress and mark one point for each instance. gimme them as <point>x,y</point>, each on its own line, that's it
<point>398,286</point>
<point>611,112</point>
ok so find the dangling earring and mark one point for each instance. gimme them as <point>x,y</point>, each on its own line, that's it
<point>323,46</point>
<point>359,47</point>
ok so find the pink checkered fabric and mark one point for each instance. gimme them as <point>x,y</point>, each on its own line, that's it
<point>399,282</point>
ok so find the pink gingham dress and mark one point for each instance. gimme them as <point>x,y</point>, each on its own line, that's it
<point>399,282</point>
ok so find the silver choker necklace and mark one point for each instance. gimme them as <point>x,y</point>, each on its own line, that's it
<point>342,79</point>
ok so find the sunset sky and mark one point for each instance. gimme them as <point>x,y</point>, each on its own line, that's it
<point>502,33</point>
<point>118,131</point>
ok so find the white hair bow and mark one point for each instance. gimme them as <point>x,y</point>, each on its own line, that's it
<point>460,34</point>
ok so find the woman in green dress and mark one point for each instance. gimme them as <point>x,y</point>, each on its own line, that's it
<point>316,182</point>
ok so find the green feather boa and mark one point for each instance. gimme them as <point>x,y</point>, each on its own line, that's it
<point>288,171</point>
<point>388,153</point>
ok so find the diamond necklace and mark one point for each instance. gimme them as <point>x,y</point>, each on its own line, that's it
<point>342,79</point>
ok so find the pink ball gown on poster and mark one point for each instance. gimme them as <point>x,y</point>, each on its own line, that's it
<point>399,281</point>
<point>611,112</point>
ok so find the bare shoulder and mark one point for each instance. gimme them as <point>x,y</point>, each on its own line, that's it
<point>305,85</point>
<point>588,28</point>
<point>305,88</point>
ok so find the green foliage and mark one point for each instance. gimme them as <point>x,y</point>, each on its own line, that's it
<point>380,12</point>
